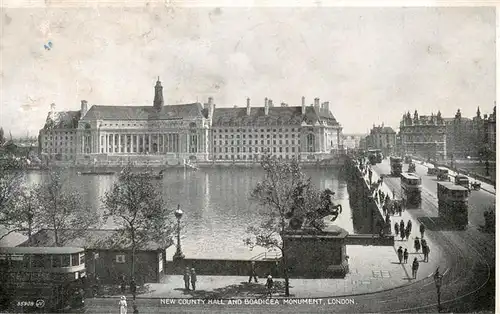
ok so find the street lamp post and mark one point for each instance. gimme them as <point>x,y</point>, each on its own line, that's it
<point>438,280</point>
<point>178,214</point>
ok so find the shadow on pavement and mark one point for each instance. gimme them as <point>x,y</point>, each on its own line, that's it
<point>241,290</point>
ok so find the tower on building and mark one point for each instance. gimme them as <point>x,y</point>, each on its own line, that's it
<point>158,101</point>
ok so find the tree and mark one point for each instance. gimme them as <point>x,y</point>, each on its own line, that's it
<point>138,209</point>
<point>24,216</point>
<point>2,136</point>
<point>65,212</point>
<point>286,194</point>
<point>11,177</point>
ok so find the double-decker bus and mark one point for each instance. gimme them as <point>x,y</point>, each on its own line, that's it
<point>396,166</point>
<point>453,203</point>
<point>411,186</point>
<point>41,278</point>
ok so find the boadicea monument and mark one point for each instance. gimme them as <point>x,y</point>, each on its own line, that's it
<point>315,249</point>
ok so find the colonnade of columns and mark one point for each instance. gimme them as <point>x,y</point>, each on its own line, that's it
<point>113,143</point>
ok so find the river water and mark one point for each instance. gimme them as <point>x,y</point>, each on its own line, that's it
<point>216,205</point>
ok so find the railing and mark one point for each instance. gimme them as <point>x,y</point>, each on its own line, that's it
<point>266,256</point>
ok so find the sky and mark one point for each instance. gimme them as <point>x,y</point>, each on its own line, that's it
<point>371,64</point>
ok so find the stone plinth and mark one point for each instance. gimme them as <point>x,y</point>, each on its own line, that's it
<point>317,254</point>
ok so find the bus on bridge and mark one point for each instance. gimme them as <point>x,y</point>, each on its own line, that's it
<point>453,203</point>
<point>41,278</point>
<point>396,166</point>
<point>411,186</point>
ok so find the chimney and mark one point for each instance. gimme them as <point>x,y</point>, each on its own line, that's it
<point>84,109</point>
<point>327,107</point>
<point>266,107</point>
<point>303,105</point>
<point>270,103</point>
<point>248,106</point>
<point>316,104</point>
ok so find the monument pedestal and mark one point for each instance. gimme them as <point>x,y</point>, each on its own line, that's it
<point>317,254</point>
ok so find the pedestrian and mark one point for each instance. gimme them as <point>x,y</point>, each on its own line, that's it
<point>405,256</point>
<point>400,255</point>
<point>269,285</point>
<point>426,250</point>
<point>387,199</point>
<point>422,230</point>
<point>193,279</point>
<point>403,235</point>
<point>252,273</point>
<point>370,175</point>
<point>123,305</point>
<point>133,288</point>
<point>401,225</point>
<point>408,225</point>
<point>407,231</point>
<point>414,268</point>
<point>417,244</point>
<point>123,285</point>
<point>396,228</point>
<point>387,218</point>
<point>186,278</point>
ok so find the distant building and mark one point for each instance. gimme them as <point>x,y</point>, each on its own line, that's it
<point>491,132</point>
<point>383,138</point>
<point>109,256</point>
<point>170,134</point>
<point>423,136</point>
<point>352,141</point>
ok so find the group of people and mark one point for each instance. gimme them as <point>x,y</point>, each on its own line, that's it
<point>400,229</point>
<point>123,306</point>
<point>403,258</point>
<point>190,276</point>
<point>421,243</point>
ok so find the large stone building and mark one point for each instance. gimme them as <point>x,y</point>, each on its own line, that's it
<point>383,138</point>
<point>423,136</point>
<point>353,141</point>
<point>471,137</point>
<point>170,134</point>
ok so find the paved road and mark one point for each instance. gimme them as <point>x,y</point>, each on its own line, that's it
<point>468,285</point>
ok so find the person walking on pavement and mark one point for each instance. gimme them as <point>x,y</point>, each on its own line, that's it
<point>417,244</point>
<point>414,268</point>
<point>408,225</point>
<point>402,232</point>
<point>426,251</point>
<point>193,279</point>
<point>252,273</point>
<point>422,230</point>
<point>400,255</point>
<point>186,278</point>
<point>123,305</point>
<point>269,285</point>
<point>401,225</point>
<point>407,231</point>
<point>133,287</point>
<point>396,228</point>
<point>405,256</point>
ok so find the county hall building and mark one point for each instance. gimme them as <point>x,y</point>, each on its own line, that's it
<point>172,134</point>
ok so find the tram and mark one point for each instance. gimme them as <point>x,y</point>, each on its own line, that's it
<point>411,186</point>
<point>396,166</point>
<point>453,203</point>
<point>42,279</point>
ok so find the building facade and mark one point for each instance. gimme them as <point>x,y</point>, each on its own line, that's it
<point>383,138</point>
<point>423,136</point>
<point>172,134</point>
<point>353,141</point>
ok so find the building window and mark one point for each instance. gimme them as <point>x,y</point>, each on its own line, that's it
<point>120,258</point>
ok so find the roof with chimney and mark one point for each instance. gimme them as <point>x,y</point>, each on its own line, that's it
<point>276,116</point>
<point>169,112</point>
<point>382,130</point>
<point>62,120</point>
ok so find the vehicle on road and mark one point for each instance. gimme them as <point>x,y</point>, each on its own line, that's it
<point>411,187</point>
<point>431,171</point>
<point>411,168</point>
<point>377,153</point>
<point>453,204</point>
<point>462,181</point>
<point>42,278</point>
<point>396,166</point>
<point>475,186</point>
<point>408,159</point>
<point>443,174</point>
